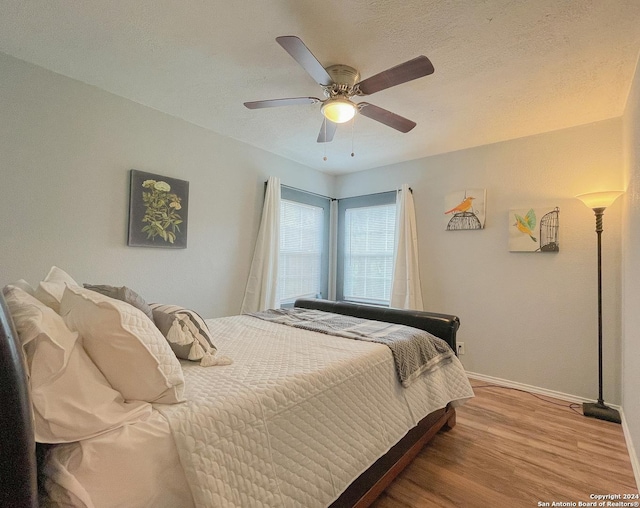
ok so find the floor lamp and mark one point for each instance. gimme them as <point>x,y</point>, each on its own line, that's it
<point>598,201</point>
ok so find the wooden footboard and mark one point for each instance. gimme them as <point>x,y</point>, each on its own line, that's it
<point>370,484</point>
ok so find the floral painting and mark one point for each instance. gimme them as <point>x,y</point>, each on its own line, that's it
<point>158,208</point>
<point>534,229</point>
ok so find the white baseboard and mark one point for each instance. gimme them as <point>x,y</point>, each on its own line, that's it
<point>633,456</point>
<point>635,464</point>
<point>534,389</point>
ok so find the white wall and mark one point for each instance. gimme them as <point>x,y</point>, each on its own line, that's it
<point>530,318</point>
<point>66,149</point>
<point>631,271</point>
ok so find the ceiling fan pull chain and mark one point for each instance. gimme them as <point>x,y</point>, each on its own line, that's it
<point>353,125</point>
<point>324,124</point>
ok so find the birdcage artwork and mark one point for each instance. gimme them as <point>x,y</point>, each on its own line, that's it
<point>463,220</point>
<point>549,226</point>
<point>465,210</point>
<point>534,229</point>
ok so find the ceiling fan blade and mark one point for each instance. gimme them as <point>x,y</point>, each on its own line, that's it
<point>301,54</point>
<point>327,131</point>
<point>274,103</point>
<point>408,71</point>
<point>386,117</point>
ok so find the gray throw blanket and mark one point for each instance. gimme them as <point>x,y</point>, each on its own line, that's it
<point>414,351</point>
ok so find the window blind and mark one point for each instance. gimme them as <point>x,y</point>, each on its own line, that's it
<point>368,253</point>
<point>301,248</point>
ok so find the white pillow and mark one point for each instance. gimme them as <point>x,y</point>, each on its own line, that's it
<point>46,340</point>
<point>80,403</point>
<point>50,290</point>
<point>71,398</point>
<point>24,285</point>
<point>125,345</point>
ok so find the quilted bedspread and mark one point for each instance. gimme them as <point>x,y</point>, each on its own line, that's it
<point>293,421</point>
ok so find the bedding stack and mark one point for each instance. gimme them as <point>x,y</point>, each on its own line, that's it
<point>72,398</point>
<point>96,362</point>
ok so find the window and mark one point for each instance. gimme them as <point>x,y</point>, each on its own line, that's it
<point>365,247</point>
<point>304,246</point>
<point>366,236</point>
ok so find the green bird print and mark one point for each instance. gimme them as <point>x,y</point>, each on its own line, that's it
<point>527,224</point>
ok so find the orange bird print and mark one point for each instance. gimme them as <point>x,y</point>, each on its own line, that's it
<point>462,207</point>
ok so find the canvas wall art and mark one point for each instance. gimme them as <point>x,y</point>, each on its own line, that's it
<point>534,229</point>
<point>465,209</point>
<point>158,207</point>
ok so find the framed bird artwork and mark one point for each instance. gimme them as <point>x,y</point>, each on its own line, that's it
<point>465,210</point>
<point>534,229</point>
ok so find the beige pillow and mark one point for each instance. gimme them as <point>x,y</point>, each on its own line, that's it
<point>50,290</point>
<point>71,398</point>
<point>125,345</point>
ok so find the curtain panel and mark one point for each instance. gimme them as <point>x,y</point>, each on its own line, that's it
<point>406,291</point>
<point>262,286</point>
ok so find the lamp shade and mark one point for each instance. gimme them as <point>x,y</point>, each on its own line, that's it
<point>599,199</point>
<point>338,110</point>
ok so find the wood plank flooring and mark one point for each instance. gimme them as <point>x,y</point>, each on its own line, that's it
<point>511,449</point>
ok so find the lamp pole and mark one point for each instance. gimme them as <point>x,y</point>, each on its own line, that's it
<point>599,213</point>
<point>599,409</point>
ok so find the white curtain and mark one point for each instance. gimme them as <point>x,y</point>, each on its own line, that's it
<point>406,292</point>
<point>262,286</point>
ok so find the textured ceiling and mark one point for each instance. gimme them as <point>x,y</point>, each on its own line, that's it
<point>503,68</point>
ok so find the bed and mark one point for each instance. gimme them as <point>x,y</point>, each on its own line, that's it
<point>298,418</point>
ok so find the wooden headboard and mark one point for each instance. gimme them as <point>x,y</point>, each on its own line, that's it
<point>18,470</point>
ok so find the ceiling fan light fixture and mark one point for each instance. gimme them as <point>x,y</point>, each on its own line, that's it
<point>338,110</point>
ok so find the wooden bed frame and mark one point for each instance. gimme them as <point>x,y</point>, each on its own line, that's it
<point>370,484</point>
<point>19,465</point>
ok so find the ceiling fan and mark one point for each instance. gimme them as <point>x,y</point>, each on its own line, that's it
<point>341,83</point>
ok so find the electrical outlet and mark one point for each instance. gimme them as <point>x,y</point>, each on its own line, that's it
<point>460,348</point>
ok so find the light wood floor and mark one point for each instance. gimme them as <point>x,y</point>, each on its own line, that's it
<point>511,449</point>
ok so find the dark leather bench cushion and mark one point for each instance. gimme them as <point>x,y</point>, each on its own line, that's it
<point>444,326</point>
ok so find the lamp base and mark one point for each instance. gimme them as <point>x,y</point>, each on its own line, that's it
<point>601,412</point>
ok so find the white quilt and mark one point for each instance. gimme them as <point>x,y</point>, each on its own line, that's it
<point>297,416</point>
